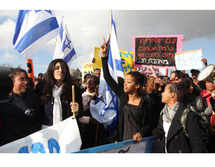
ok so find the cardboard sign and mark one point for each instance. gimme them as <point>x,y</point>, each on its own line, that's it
<point>147,71</point>
<point>188,60</point>
<point>126,57</point>
<point>87,69</point>
<point>60,138</point>
<point>127,61</point>
<point>158,51</point>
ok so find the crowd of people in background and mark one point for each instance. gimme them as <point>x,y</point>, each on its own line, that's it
<point>148,106</point>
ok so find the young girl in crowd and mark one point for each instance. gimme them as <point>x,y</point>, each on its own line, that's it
<point>193,94</point>
<point>134,114</point>
<point>56,94</point>
<point>170,131</point>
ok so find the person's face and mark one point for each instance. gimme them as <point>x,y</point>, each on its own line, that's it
<point>194,75</point>
<point>129,84</point>
<point>90,84</point>
<point>172,77</point>
<point>20,83</point>
<point>166,95</point>
<point>142,90</point>
<point>209,86</point>
<point>59,72</point>
<point>191,88</point>
<point>166,80</point>
<point>97,73</point>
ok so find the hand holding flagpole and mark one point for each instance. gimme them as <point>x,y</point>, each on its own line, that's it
<point>74,105</point>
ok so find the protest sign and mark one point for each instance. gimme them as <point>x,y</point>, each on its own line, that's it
<point>147,71</point>
<point>60,138</point>
<point>128,146</point>
<point>126,57</point>
<point>127,61</point>
<point>97,58</point>
<point>158,51</point>
<point>188,59</point>
<point>87,69</point>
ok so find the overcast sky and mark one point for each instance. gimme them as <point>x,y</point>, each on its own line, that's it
<point>87,27</point>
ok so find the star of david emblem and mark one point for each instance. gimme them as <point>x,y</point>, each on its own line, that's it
<point>66,43</point>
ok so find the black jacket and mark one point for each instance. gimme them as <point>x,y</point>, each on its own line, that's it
<point>20,117</point>
<point>177,141</point>
<point>146,126</point>
<point>47,118</point>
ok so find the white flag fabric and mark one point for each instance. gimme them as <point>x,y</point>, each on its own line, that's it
<point>64,48</point>
<point>34,28</point>
<point>60,138</point>
<point>105,110</point>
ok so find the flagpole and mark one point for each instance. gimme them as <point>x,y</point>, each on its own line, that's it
<point>110,33</point>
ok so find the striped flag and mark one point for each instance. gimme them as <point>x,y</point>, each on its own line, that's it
<point>108,114</point>
<point>33,29</point>
<point>64,48</point>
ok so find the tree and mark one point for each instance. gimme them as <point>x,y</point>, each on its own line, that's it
<point>79,71</point>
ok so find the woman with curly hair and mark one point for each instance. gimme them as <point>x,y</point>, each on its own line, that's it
<point>56,94</point>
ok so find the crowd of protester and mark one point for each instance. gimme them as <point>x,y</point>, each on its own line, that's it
<point>148,106</point>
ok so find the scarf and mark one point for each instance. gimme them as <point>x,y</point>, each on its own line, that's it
<point>168,114</point>
<point>86,98</point>
<point>206,95</point>
<point>57,108</point>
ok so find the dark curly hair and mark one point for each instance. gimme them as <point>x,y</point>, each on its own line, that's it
<point>49,82</point>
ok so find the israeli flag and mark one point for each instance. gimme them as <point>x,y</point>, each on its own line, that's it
<point>105,108</point>
<point>64,48</point>
<point>33,29</point>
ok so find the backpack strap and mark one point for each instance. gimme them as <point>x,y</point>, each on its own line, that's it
<point>184,120</point>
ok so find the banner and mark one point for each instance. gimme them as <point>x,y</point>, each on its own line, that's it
<point>147,71</point>
<point>128,146</point>
<point>87,69</point>
<point>158,51</point>
<point>188,60</point>
<point>60,138</point>
<point>126,58</point>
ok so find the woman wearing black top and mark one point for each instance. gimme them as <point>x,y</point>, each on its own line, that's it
<point>134,114</point>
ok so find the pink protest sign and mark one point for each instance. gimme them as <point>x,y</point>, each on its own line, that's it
<point>156,50</point>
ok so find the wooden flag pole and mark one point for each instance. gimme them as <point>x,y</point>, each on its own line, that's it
<point>110,33</point>
<point>73,96</point>
<point>30,69</point>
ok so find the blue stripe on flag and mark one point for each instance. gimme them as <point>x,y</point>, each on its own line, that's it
<point>37,32</point>
<point>69,56</point>
<point>119,65</point>
<point>61,32</point>
<point>110,60</point>
<point>114,24</point>
<point>19,23</point>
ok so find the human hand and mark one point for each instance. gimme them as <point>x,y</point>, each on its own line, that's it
<point>158,133</point>
<point>74,107</point>
<point>103,49</point>
<point>137,137</point>
<point>151,67</point>
<point>204,61</point>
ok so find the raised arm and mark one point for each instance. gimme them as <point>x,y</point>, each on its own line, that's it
<point>108,78</point>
